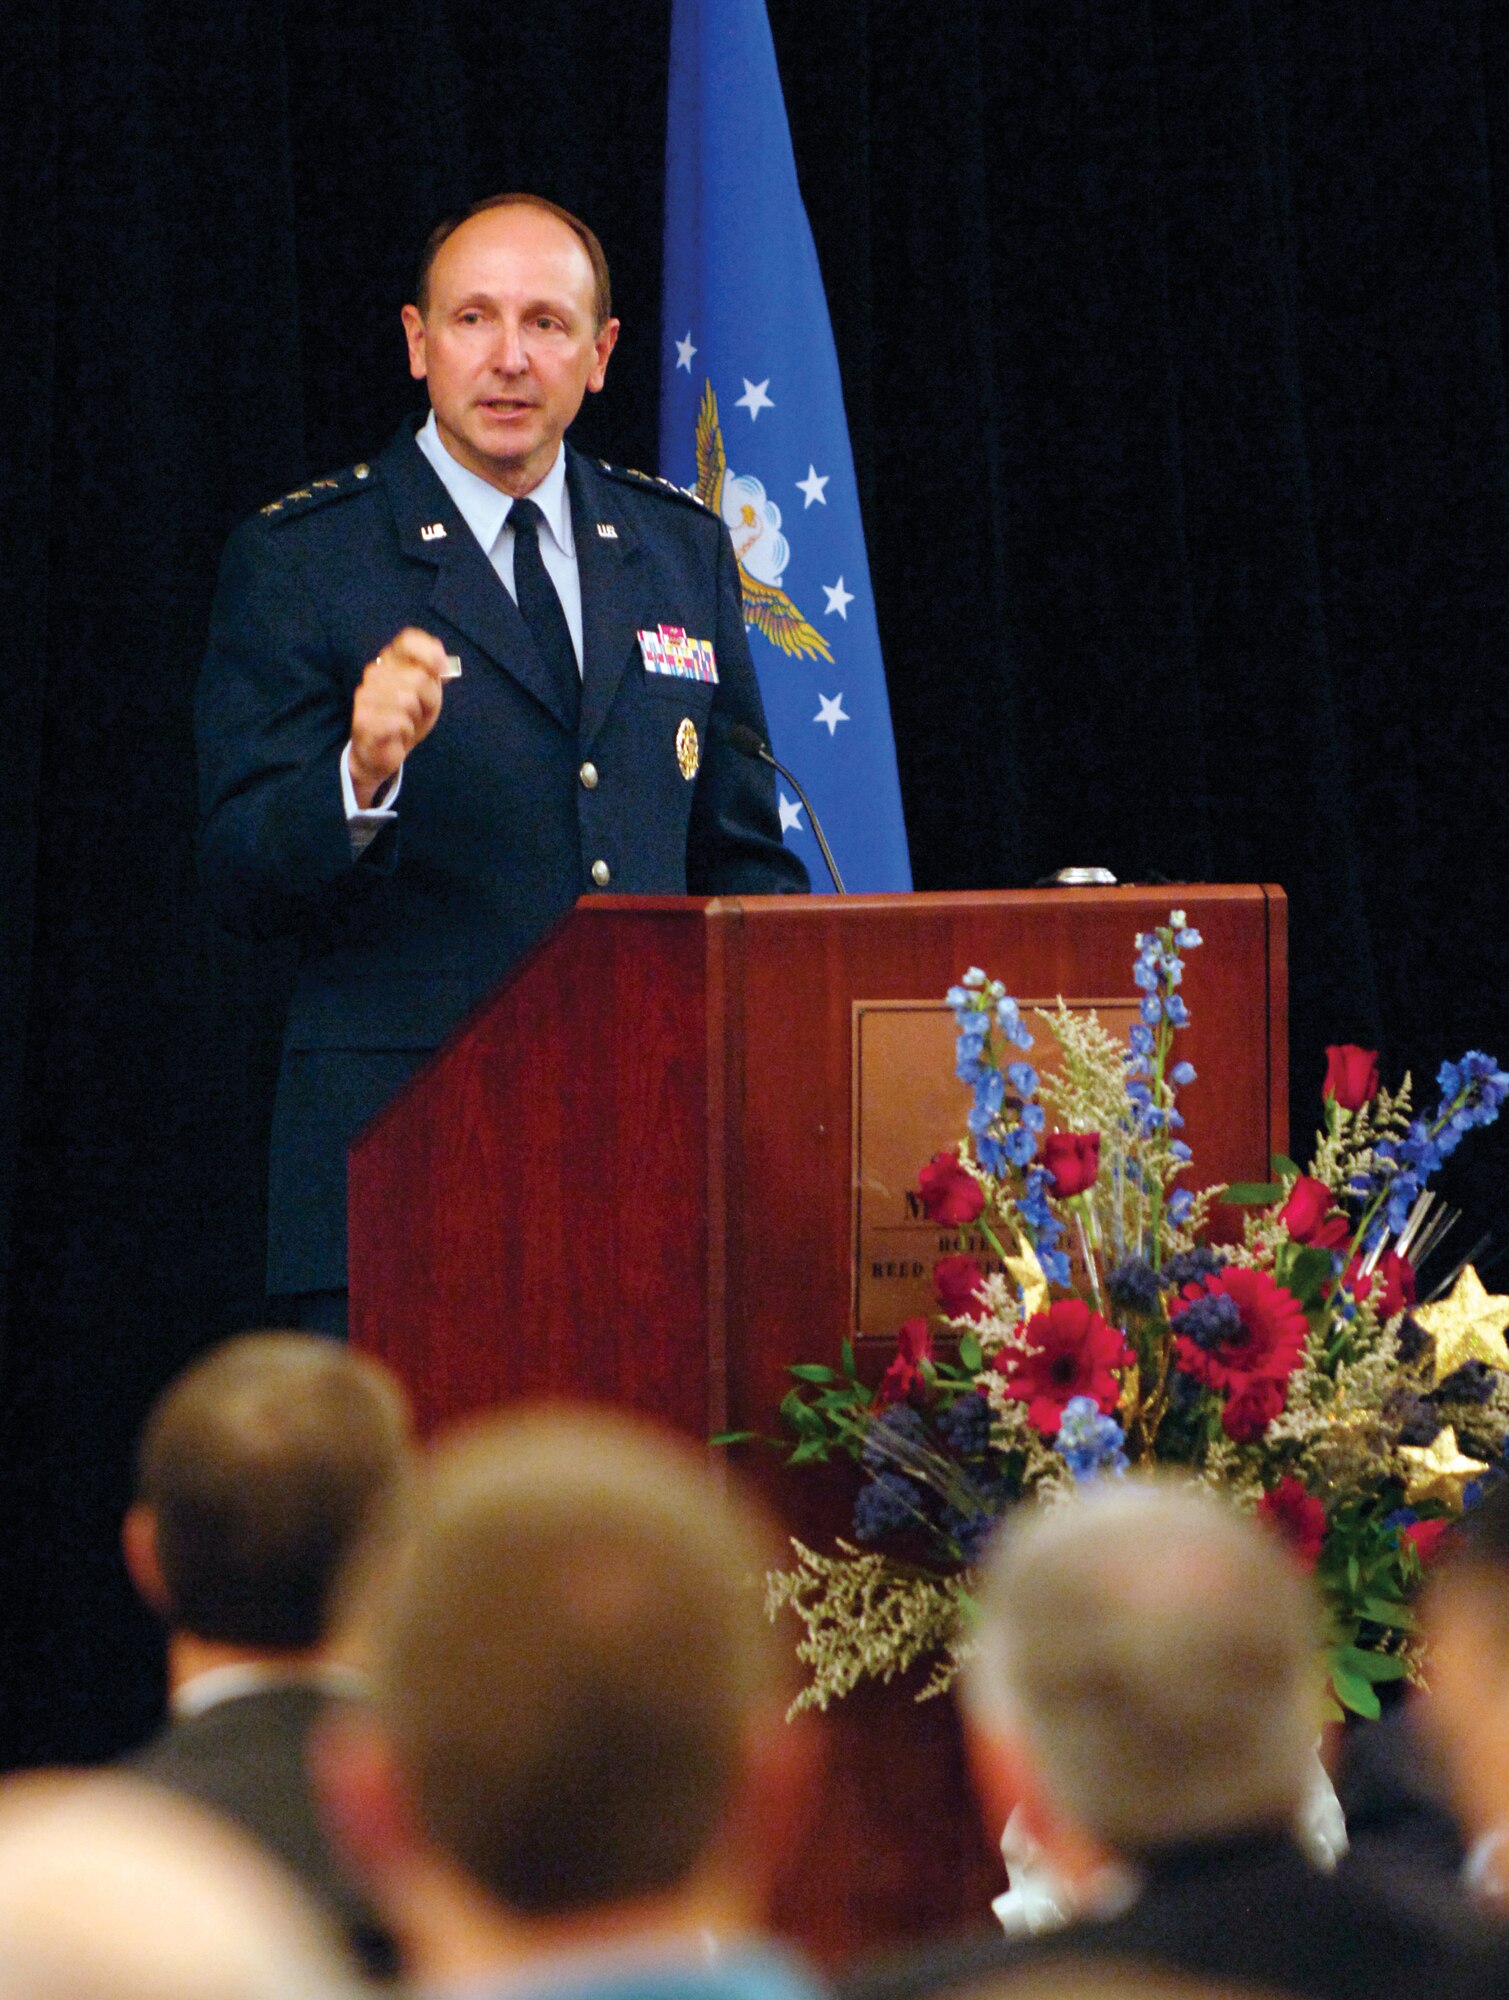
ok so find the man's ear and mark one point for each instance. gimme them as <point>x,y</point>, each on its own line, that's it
<point>364,1804</point>
<point>1001,1770</point>
<point>143,1563</point>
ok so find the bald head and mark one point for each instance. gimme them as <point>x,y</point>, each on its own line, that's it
<point>1157,1654</point>
<point>115,1891</point>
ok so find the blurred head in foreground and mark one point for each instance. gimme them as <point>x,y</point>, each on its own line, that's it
<point>1146,1678</point>
<point>1466,1620</point>
<point>115,1891</point>
<point>578,1723</point>
<point>260,1471</point>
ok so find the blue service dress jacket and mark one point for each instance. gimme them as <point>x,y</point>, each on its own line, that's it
<point>509,809</point>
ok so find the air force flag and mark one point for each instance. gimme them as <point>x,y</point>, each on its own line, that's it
<point>752,417</point>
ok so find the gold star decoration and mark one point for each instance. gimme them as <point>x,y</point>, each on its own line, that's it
<point>1467,1325</point>
<point>1438,1471</point>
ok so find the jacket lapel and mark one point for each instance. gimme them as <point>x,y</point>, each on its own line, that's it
<point>615,589</point>
<point>467,592</point>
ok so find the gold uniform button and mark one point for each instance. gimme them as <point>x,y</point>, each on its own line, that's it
<point>602,874</point>
<point>588,776</point>
<point>361,471</point>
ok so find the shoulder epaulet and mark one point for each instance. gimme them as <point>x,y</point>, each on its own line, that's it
<point>650,482</point>
<point>304,499</point>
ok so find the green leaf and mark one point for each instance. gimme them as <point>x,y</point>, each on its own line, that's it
<point>1252,1194</point>
<point>1284,1167</point>
<point>1388,1611</point>
<point>971,1354</point>
<point>810,1450</point>
<point>812,1371</point>
<point>848,1359</point>
<point>1355,1694</point>
<point>735,1437</point>
<point>1371,1666</point>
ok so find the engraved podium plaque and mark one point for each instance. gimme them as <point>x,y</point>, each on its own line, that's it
<point>909,1105</point>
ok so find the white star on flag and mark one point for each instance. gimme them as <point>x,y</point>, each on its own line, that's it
<point>839,599</point>
<point>813,485</point>
<point>754,398</point>
<point>685,351</point>
<point>791,814</point>
<point>831,711</point>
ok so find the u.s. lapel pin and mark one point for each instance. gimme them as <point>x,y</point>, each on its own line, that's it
<point>607,531</point>
<point>433,531</point>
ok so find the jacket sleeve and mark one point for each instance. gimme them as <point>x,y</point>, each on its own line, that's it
<point>272,716</point>
<point>734,842</point>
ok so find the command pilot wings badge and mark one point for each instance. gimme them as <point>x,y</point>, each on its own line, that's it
<point>754,523</point>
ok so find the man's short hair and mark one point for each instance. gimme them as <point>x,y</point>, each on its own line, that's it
<point>1158,1652</point>
<point>602,288</point>
<point>265,1466</point>
<point>570,1656</point>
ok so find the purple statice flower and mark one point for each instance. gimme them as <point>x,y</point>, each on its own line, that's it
<point>1133,1286</point>
<point>1413,1339</point>
<point>1190,1266</point>
<point>888,1504</point>
<point>1473,1382</point>
<point>1089,1442</point>
<point>1212,1321</point>
<point>1419,1423</point>
<point>964,1427</point>
<point>899,1422</point>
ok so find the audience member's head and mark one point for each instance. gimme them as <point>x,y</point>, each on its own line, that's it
<point>115,1891</point>
<point>1146,1677</point>
<point>260,1471</point>
<point>1466,1622</point>
<point>578,1701</point>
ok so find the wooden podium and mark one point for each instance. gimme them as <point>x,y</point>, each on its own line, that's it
<point>640,1174</point>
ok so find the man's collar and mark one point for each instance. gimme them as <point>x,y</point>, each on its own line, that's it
<point>483,508</point>
<point>231,1683</point>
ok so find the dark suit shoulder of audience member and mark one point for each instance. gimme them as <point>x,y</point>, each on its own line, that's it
<point>247,1758</point>
<point>1253,1911</point>
<point>1393,1790</point>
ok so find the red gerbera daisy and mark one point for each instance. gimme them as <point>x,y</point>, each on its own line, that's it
<point>1298,1516</point>
<point>1267,1340</point>
<point>1073,1353</point>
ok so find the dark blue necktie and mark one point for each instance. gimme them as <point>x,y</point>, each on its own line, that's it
<point>540,604</point>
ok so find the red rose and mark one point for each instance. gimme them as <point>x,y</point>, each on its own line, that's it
<point>1427,1537</point>
<point>1072,1352</point>
<point>1268,1339</point>
<point>914,1345</point>
<point>1305,1215</point>
<point>1299,1517</point>
<point>948,1194</point>
<point>1073,1159</point>
<point>959,1282</point>
<point>1251,1408</point>
<point>1390,1288</point>
<point>1351,1075</point>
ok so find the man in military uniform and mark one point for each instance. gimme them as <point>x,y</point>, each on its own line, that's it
<point>431,717</point>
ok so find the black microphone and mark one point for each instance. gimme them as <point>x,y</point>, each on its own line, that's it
<point>746,740</point>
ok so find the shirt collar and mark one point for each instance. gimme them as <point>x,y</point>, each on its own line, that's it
<point>230,1683</point>
<point>483,508</point>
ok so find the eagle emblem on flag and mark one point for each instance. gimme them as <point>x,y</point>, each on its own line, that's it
<point>754,524</point>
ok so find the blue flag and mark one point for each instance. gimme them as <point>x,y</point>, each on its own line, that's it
<point>752,417</point>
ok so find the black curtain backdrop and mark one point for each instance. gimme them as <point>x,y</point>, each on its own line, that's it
<point>1173,339</point>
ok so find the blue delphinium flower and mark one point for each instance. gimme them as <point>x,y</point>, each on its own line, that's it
<point>1089,1442</point>
<point>888,1504</point>
<point>1133,1286</point>
<point>964,1427</point>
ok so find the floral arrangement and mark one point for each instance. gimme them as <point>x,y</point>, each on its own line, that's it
<point>1085,1327</point>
